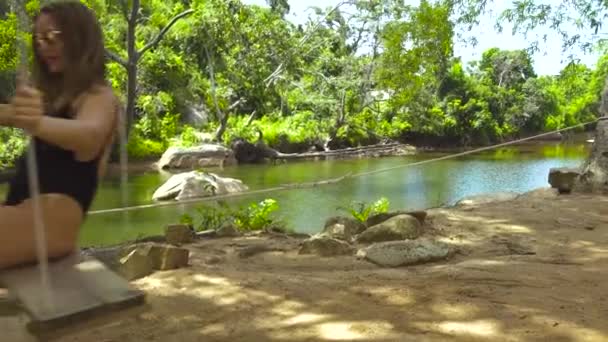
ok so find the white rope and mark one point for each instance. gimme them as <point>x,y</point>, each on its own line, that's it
<point>32,166</point>
<point>331,180</point>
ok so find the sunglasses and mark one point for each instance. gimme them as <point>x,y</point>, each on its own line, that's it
<point>49,38</point>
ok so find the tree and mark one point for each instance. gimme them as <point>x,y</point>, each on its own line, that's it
<point>8,57</point>
<point>134,15</point>
<point>279,6</point>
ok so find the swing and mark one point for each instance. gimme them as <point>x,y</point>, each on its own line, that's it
<point>81,288</point>
<point>60,293</point>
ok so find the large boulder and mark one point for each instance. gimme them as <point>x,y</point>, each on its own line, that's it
<point>206,155</point>
<point>594,174</point>
<point>563,178</point>
<point>195,184</point>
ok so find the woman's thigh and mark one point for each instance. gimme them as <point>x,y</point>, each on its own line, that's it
<point>61,218</point>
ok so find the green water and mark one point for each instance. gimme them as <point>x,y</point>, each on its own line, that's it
<point>518,169</point>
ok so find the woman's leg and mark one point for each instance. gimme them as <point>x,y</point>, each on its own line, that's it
<point>62,218</point>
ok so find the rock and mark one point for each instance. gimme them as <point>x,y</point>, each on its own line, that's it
<point>408,252</point>
<point>246,152</point>
<point>168,257</point>
<point>343,228</point>
<point>399,227</point>
<point>141,260</point>
<point>252,250</point>
<point>195,184</point>
<point>487,198</point>
<point>594,174</point>
<point>213,260</point>
<point>206,155</point>
<point>228,230</point>
<point>177,234</point>
<point>325,246</point>
<point>381,217</point>
<point>563,179</point>
<point>137,264</point>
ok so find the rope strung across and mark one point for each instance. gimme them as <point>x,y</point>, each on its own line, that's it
<point>34,187</point>
<point>332,180</point>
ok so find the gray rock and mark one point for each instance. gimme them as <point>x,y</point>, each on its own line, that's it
<point>143,259</point>
<point>487,198</point>
<point>325,246</point>
<point>594,172</point>
<point>343,228</point>
<point>228,230</point>
<point>195,184</point>
<point>399,227</point>
<point>177,234</point>
<point>249,251</point>
<point>401,253</point>
<point>563,179</point>
<point>206,155</point>
<point>381,217</point>
<point>213,260</point>
<point>137,264</point>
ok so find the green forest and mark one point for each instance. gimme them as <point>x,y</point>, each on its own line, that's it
<point>190,71</point>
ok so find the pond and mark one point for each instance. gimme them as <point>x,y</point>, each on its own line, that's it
<point>516,168</point>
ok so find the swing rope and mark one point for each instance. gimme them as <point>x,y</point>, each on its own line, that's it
<point>33,181</point>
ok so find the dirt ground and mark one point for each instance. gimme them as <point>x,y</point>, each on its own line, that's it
<point>532,269</point>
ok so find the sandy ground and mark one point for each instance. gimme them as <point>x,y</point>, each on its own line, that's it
<point>533,269</point>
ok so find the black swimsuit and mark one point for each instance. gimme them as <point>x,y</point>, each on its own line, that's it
<point>58,172</point>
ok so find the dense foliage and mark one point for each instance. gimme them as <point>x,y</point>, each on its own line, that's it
<point>357,73</point>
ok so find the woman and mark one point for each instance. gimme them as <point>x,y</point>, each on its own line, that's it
<point>71,113</point>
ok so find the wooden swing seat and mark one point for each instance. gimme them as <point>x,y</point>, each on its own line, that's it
<point>81,289</point>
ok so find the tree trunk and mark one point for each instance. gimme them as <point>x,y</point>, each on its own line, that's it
<point>131,95</point>
<point>594,173</point>
<point>131,65</point>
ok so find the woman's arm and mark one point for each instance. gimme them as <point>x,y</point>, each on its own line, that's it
<point>88,133</point>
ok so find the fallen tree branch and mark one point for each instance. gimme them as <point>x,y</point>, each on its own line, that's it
<point>346,152</point>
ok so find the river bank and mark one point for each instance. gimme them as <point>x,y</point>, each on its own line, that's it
<point>526,269</point>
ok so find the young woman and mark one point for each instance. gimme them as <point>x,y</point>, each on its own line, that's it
<point>71,112</point>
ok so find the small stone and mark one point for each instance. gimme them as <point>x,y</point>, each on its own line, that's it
<point>169,257</point>
<point>252,250</point>
<point>228,230</point>
<point>141,260</point>
<point>563,179</point>
<point>212,260</point>
<point>177,234</point>
<point>137,264</point>
<point>325,246</point>
<point>343,228</point>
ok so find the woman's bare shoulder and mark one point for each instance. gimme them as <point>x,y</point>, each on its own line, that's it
<point>99,94</point>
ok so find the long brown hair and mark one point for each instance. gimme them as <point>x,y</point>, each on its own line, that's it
<point>83,53</point>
